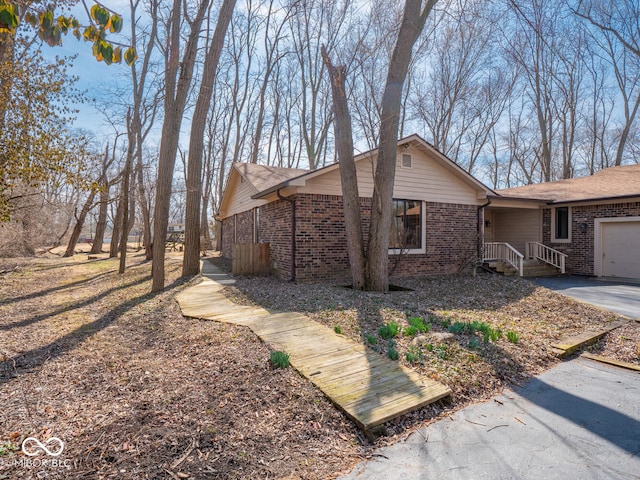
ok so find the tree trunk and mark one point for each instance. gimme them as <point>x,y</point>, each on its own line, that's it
<point>377,267</point>
<point>126,179</point>
<point>77,229</point>
<point>348,173</point>
<point>192,228</point>
<point>115,234</point>
<point>105,185</point>
<point>144,209</point>
<point>176,92</point>
<point>101,224</point>
<point>624,135</point>
<point>139,81</point>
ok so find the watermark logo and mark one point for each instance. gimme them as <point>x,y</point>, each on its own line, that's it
<point>53,447</point>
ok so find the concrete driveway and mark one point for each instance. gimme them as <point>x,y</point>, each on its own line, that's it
<point>623,298</point>
<point>580,419</point>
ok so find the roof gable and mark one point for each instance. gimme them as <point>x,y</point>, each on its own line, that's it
<point>413,141</point>
<point>263,177</point>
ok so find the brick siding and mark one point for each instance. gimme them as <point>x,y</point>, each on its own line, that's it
<point>275,227</point>
<point>236,229</point>
<point>580,250</point>
<point>321,246</point>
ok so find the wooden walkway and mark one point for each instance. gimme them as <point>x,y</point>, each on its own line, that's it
<point>370,388</point>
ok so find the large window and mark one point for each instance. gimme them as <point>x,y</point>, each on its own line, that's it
<point>561,224</point>
<point>406,226</point>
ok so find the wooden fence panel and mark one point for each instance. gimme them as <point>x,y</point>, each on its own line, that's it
<point>250,259</point>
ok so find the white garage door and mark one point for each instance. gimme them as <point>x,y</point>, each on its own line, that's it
<point>621,249</point>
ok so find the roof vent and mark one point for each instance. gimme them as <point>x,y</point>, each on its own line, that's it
<point>406,160</point>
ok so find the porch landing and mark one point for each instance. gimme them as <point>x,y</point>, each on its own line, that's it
<point>369,388</point>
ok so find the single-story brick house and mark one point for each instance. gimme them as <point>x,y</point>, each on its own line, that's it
<point>444,218</point>
<point>299,213</point>
<point>594,220</point>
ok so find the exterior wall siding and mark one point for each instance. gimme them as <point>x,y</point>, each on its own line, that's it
<point>580,250</point>
<point>275,227</point>
<point>425,180</point>
<point>451,240</point>
<point>321,245</point>
<point>236,229</point>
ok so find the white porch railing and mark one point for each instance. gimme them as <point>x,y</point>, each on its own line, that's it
<point>505,252</point>
<point>546,254</point>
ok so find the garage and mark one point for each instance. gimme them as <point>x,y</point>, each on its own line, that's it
<point>619,248</point>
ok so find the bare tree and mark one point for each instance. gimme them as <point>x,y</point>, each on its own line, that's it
<point>177,82</point>
<point>376,264</point>
<point>617,17</point>
<point>191,263</point>
<point>144,105</point>
<point>274,34</point>
<point>626,70</point>
<point>464,92</point>
<point>104,184</point>
<point>315,22</point>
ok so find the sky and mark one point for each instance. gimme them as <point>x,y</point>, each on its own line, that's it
<point>94,78</point>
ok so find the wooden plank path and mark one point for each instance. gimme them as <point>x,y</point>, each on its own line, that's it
<point>567,346</point>
<point>369,388</point>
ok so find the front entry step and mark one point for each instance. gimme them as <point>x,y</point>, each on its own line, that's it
<point>504,268</point>
<point>536,268</point>
<point>531,268</point>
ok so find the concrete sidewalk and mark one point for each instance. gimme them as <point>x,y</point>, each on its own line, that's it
<point>579,420</point>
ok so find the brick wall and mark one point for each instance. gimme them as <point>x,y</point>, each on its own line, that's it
<point>236,229</point>
<point>580,250</point>
<point>321,246</point>
<point>451,232</point>
<point>275,227</point>
<point>451,241</point>
<point>321,239</point>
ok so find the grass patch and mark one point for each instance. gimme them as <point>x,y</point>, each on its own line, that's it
<point>470,328</point>
<point>414,355</point>
<point>337,329</point>
<point>371,339</point>
<point>392,353</point>
<point>389,330</point>
<point>418,325</point>
<point>8,448</point>
<point>512,336</point>
<point>279,359</point>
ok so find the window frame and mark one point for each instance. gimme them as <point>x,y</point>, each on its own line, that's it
<point>554,225</point>
<point>423,230</point>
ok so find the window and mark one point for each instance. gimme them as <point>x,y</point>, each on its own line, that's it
<point>406,225</point>
<point>562,221</point>
<point>406,160</point>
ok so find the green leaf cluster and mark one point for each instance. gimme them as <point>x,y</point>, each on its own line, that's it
<point>37,150</point>
<point>50,29</point>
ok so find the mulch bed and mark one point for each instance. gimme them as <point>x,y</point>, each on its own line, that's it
<point>475,370</point>
<point>135,390</point>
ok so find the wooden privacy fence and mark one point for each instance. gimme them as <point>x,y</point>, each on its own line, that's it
<point>250,259</point>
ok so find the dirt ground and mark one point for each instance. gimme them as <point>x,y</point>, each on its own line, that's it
<point>135,390</point>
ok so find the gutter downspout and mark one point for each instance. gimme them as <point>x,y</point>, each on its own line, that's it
<point>481,230</point>
<point>293,233</point>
